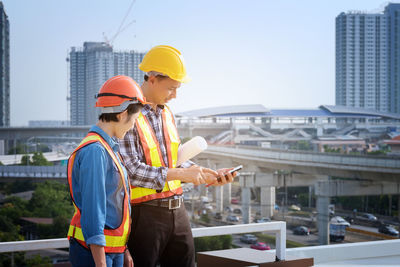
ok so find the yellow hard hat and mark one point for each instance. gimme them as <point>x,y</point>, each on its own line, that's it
<point>166,60</point>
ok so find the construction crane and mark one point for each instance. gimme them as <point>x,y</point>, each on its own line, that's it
<point>121,27</point>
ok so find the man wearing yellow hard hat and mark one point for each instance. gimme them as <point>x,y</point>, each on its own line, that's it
<point>161,232</point>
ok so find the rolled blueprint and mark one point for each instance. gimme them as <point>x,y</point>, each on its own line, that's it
<point>190,149</point>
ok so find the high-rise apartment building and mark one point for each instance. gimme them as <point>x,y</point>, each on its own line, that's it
<point>368,60</point>
<point>90,67</point>
<point>4,68</point>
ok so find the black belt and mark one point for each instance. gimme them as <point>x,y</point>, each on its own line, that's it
<point>170,203</point>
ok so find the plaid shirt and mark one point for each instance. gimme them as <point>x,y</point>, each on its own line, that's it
<point>141,174</point>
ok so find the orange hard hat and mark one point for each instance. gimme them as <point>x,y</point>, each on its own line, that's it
<point>117,93</point>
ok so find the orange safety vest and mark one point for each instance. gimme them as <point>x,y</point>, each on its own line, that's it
<point>115,238</point>
<point>153,156</point>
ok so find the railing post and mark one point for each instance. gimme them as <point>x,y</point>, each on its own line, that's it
<point>280,243</point>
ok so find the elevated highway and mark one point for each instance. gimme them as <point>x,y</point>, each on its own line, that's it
<point>312,163</point>
<point>329,175</point>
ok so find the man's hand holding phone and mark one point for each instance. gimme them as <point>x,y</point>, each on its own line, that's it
<point>226,175</point>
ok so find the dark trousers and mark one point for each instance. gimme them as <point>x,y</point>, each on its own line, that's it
<point>161,236</point>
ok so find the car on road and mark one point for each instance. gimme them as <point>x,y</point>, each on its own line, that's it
<point>234,201</point>
<point>248,238</point>
<point>349,219</point>
<point>294,208</point>
<point>370,217</point>
<point>232,218</point>
<point>260,246</point>
<point>262,220</point>
<point>331,209</point>
<point>388,229</point>
<point>218,216</point>
<point>301,230</point>
<point>237,211</point>
<point>340,220</point>
<point>228,209</point>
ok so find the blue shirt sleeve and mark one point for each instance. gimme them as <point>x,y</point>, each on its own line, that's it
<point>92,181</point>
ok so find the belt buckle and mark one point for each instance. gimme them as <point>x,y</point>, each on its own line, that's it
<point>174,204</point>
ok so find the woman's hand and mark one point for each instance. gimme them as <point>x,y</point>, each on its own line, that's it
<point>128,261</point>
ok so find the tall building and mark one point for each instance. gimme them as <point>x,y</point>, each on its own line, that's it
<point>392,12</point>
<point>367,60</point>
<point>4,68</point>
<point>90,67</point>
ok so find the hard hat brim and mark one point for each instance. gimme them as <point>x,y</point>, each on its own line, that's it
<point>122,107</point>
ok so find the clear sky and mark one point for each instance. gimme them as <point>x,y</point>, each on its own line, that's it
<point>275,53</point>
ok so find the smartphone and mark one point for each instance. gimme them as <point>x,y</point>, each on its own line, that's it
<point>238,168</point>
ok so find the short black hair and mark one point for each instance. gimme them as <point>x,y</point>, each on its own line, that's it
<point>132,109</point>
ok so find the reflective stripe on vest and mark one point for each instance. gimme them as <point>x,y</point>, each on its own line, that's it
<point>153,156</point>
<point>115,238</point>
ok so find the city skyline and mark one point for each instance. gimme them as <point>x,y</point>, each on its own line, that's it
<point>263,52</point>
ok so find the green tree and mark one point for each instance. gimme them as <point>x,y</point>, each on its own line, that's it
<point>39,160</point>
<point>327,149</point>
<point>52,200</point>
<point>38,261</point>
<point>19,259</point>
<point>205,218</point>
<point>209,243</point>
<point>10,212</point>
<point>26,160</point>
<point>18,186</point>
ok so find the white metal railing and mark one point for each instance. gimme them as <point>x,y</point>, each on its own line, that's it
<point>321,254</point>
<point>373,252</point>
<point>279,228</point>
<point>28,245</point>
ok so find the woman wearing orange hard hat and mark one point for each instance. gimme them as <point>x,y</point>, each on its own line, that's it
<point>98,180</point>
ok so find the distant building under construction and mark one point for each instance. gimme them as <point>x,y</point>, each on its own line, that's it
<point>90,67</point>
